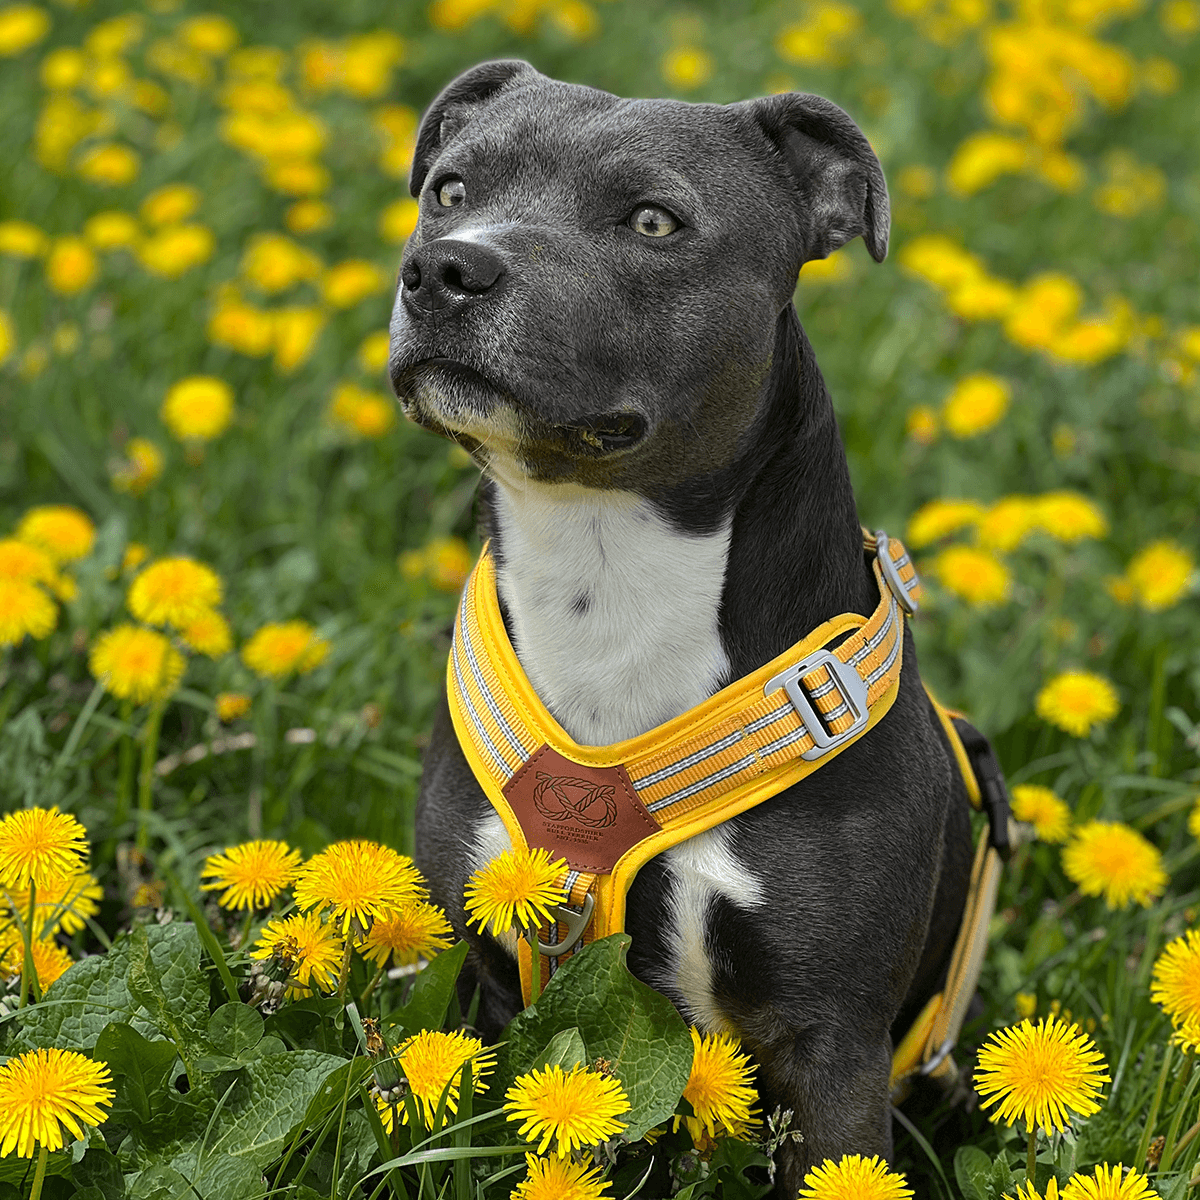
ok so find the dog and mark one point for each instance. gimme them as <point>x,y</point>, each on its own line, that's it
<point>597,304</point>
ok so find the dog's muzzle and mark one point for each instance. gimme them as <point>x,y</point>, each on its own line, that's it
<point>444,277</point>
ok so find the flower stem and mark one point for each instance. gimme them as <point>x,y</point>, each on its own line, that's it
<point>1181,1079</point>
<point>1139,1158</point>
<point>146,774</point>
<point>39,1173</point>
<point>246,925</point>
<point>344,974</point>
<point>369,990</point>
<point>124,770</point>
<point>1031,1157</point>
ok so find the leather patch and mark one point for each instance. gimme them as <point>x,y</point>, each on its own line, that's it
<point>587,815</point>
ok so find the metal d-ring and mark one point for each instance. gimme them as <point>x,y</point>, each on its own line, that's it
<point>576,923</point>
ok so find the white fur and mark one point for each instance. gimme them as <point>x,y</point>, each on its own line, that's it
<point>647,648</point>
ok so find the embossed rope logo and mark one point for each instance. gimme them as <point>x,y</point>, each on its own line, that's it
<point>580,801</point>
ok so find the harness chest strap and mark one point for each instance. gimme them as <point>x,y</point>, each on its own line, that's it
<point>606,810</point>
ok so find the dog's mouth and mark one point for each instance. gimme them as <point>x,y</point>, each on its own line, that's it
<point>608,432</point>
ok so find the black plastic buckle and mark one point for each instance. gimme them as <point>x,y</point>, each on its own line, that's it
<point>991,784</point>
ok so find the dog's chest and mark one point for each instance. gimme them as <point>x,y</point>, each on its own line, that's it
<point>614,613</point>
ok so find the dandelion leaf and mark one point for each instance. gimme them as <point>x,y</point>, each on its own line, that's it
<point>632,1028</point>
<point>139,1069</point>
<point>973,1171</point>
<point>433,991</point>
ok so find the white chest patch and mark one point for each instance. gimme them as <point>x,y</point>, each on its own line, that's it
<point>614,613</point>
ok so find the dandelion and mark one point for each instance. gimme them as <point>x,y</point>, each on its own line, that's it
<point>136,664</point>
<point>198,408</point>
<point>1070,517</point>
<point>1109,1183</point>
<point>1040,807</point>
<point>171,204</point>
<point>279,648</point>
<point>1040,1073</point>
<point>135,554</point>
<point>398,220</point>
<point>1027,1191</point>
<point>719,1088</point>
<point>62,902</point>
<point>574,1110</point>
<point>295,332</point>
<point>432,1062</point>
<point>1109,859</point>
<point>8,338</point>
<point>20,239</point>
<point>365,413</point>
<point>42,1091</point>
<point>176,249</point>
<point>110,165</point>
<point>358,881</point>
<point>976,403</point>
<point>252,874</point>
<point>40,845</point>
<point>1077,701</point>
<point>24,609</point>
<point>22,26</point>
<point>1007,523</point>
<point>207,633</point>
<point>1025,1004</point>
<point>520,886</point>
<point>141,467</point>
<point>308,216</point>
<point>374,350</point>
<point>940,518</point>
<point>310,949</point>
<point>687,67</point>
<point>231,705</point>
<point>1160,575</point>
<point>70,266</point>
<point>559,1179</point>
<point>242,327</point>
<point>174,591</point>
<point>416,930</point>
<point>1175,986</point>
<point>50,960</point>
<point>854,1178</point>
<point>346,283</point>
<point>978,576</point>
<point>274,263</point>
<point>921,424</point>
<point>19,560</point>
<point>63,532</point>
<point>1042,308</point>
<point>210,34</point>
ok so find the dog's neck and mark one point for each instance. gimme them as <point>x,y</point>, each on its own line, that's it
<point>626,611</point>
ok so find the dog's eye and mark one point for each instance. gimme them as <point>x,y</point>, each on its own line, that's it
<point>652,221</point>
<point>452,191</point>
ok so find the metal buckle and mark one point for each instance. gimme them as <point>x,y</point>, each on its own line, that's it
<point>576,923</point>
<point>850,685</point>
<point>891,576</point>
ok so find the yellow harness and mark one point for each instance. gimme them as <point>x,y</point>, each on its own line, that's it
<point>606,810</point>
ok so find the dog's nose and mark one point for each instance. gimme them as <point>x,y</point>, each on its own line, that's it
<point>448,274</point>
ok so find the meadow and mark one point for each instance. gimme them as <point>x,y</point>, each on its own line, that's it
<point>228,566</point>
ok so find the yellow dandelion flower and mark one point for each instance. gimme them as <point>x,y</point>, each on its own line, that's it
<point>921,424</point>
<point>174,591</point>
<point>63,902</point>
<point>854,1178</point>
<point>24,609</point>
<point>373,351</point>
<point>1109,1183</point>
<point>110,164</point>
<point>176,249</point>
<point>231,705</point>
<point>136,664</point>
<point>687,67</point>
<point>242,327</point>
<point>112,230</point>
<point>41,845</point>
<point>311,949</point>
<point>207,633</point>
<point>519,885</point>
<point>1040,807</point>
<point>976,403</point>
<point>199,407</point>
<point>308,216</point>
<point>252,874</point>
<point>448,563</point>
<point>398,220</point>
<point>1109,859</point>
<point>940,518</point>
<point>42,1091</point>
<point>719,1088</point>
<point>22,26</point>
<point>360,411</point>
<point>1026,1191</point>
<point>359,881</point>
<point>416,930</point>
<point>1025,1004</point>
<point>19,560</point>
<point>976,575</point>
<point>142,465</point>
<point>8,337</point>
<point>1175,986</point>
<point>559,1179</point>
<point>574,1110</point>
<point>63,532</point>
<point>209,34</point>
<point>274,263</point>
<point>1161,574</point>
<point>279,648</point>
<point>1077,701</point>
<point>295,331</point>
<point>1007,523</point>
<point>346,283</point>
<point>1193,823</point>
<point>1040,1073</point>
<point>135,554</point>
<point>432,1061</point>
<point>1041,309</point>
<point>1070,517</point>
<point>50,960</point>
<point>21,239</point>
<point>171,204</point>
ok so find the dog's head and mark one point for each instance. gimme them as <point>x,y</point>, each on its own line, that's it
<point>593,287</point>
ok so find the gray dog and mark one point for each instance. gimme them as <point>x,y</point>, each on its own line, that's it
<point>597,304</point>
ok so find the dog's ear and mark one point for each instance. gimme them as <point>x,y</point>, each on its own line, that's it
<point>452,110</point>
<point>840,189</point>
